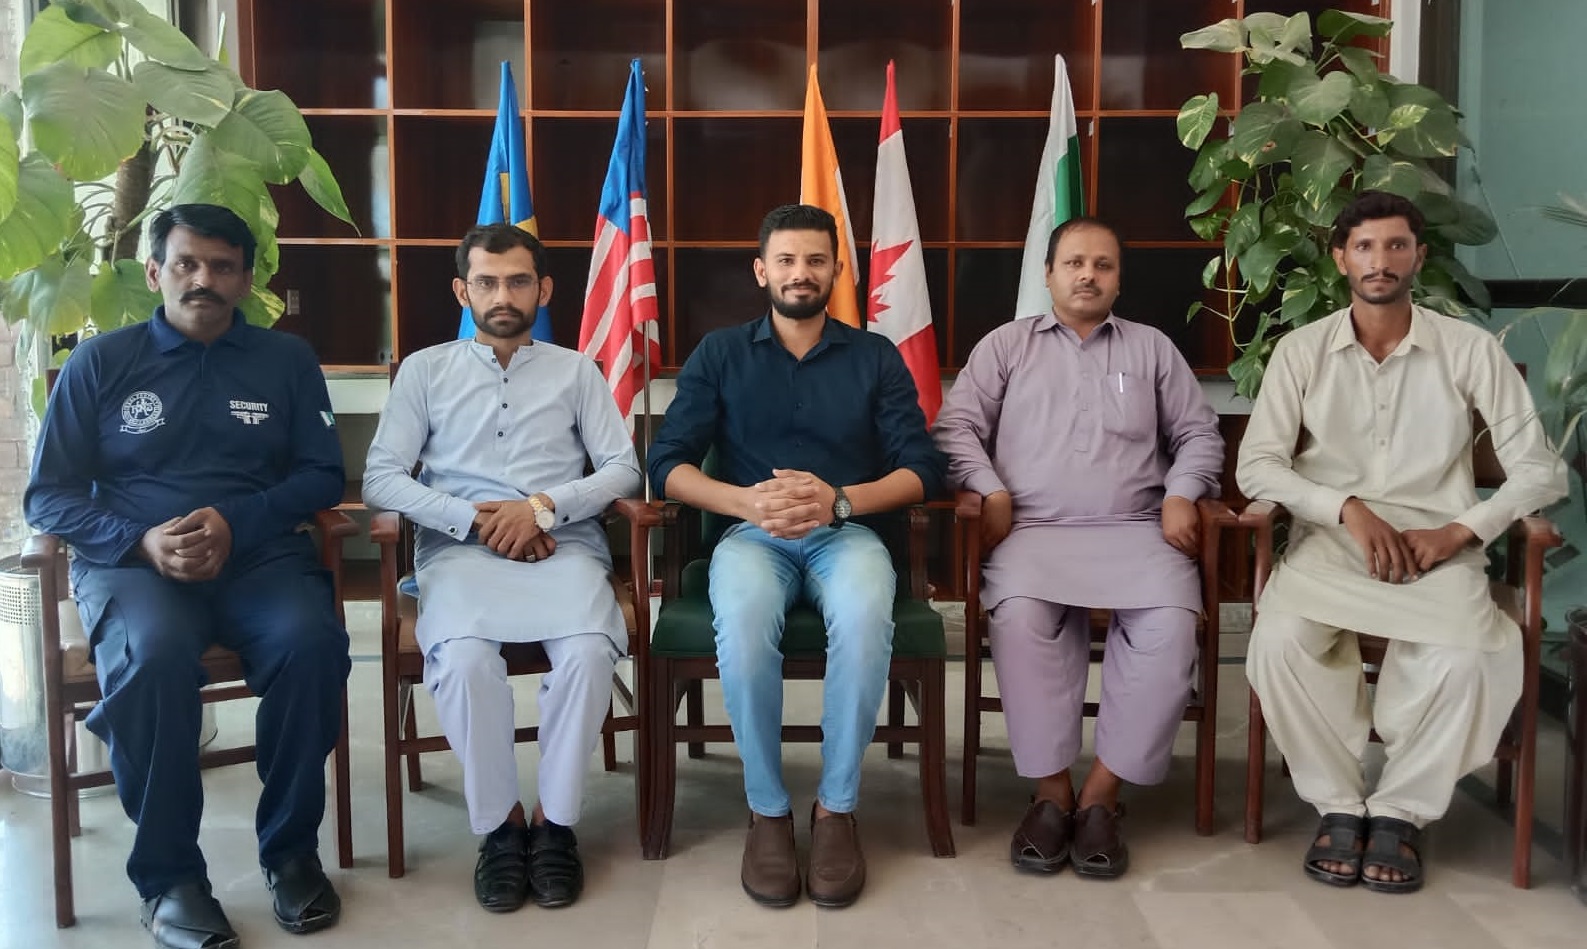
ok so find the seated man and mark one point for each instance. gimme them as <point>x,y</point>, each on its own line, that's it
<point>510,548</point>
<point>814,423</point>
<point>1090,442</point>
<point>1363,429</point>
<point>178,458</point>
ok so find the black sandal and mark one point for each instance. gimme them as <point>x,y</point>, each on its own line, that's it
<point>187,916</point>
<point>304,900</point>
<point>1344,833</point>
<point>1385,837</point>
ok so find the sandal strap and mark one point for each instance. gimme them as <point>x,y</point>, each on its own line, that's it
<point>1386,835</point>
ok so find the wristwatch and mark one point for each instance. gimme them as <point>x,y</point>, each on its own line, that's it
<point>545,518</point>
<point>841,508</point>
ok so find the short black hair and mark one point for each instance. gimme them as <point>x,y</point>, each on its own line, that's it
<point>1075,224</point>
<point>1375,206</point>
<point>499,239</point>
<point>798,217</point>
<point>205,220</point>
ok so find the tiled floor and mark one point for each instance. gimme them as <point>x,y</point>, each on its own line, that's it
<point>1182,891</point>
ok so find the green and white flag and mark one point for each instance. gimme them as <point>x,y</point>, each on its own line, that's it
<point>1059,195</point>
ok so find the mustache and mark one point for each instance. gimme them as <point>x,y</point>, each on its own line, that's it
<point>799,286</point>
<point>506,308</point>
<point>1382,274</point>
<point>202,294</point>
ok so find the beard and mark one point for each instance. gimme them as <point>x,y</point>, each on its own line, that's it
<point>797,309</point>
<point>521,322</point>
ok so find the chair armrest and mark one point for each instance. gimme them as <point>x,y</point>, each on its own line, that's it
<point>1262,514</point>
<point>334,523</point>
<point>1535,531</point>
<point>1216,514</point>
<point>639,512</point>
<point>40,551</point>
<point>386,528</point>
<point>967,505</point>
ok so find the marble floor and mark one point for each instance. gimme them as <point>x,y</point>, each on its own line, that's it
<point>1182,891</point>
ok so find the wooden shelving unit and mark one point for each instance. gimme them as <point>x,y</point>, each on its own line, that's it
<point>400,95</point>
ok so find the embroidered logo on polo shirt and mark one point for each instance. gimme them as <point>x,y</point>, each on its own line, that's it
<point>250,413</point>
<point>142,412</point>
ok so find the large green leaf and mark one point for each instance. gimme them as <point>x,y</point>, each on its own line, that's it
<point>1341,26</point>
<point>1259,264</point>
<point>1361,63</point>
<point>1196,118</point>
<point>1263,132</point>
<point>266,129</point>
<point>42,218</point>
<point>162,42</point>
<point>1245,227</point>
<point>1369,105</point>
<point>55,37</point>
<point>1565,373</point>
<point>1279,76</point>
<point>1207,226</point>
<point>1205,201</point>
<point>59,294</point>
<point>1382,173</point>
<point>120,295</point>
<point>11,110</point>
<point>1472,225</point>
<point>321,185</point>
<point>1420,123</point>
<point>10,168</point>
<point>1317,101</point>
<point>86,121</point>
<point>202,97</point>
<point>210,175</point>
<point>1470,284</point>
<point>1300,296</point>
<point>1206,171</point>
<point>261,307</point>
<point>1225,36</point>
<point>1318,163</point>
<point>1209,273</point>
<point>1276,37</point>
<point>105,14</point>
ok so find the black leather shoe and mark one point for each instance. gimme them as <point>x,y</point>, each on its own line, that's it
<point>305,901</point>
<point>501,877</point>
<point>187,916</point>
<point>556,875</point>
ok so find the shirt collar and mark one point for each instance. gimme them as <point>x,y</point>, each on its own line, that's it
<point>1050,321</point>
<point>488,353</point>
<point>1423,334</point>
<point>833,331</point>
<point>168,338</point>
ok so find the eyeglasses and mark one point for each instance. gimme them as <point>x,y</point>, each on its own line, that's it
<point>518,283</point>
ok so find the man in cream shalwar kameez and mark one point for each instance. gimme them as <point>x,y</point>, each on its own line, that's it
<point>1090,441</point>
<point>1381,408</point>
<point>502,427</point>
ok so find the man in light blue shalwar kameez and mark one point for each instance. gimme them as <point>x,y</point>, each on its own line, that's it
<point>510,549</point>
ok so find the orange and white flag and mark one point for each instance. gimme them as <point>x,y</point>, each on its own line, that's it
<point>899,306</point>
<point>821,184</point>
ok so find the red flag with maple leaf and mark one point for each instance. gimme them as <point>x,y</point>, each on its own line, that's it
<point>899,306</point>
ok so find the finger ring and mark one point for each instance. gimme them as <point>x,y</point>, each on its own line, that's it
<point>531,558</point>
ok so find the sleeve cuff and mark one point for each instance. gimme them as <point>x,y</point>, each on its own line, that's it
<point>565,501</point>
<point>1191,489</point>
<point>1486,531</point>
<point>984,482</point>
<point>1325,506</point>
<point>459,519</point>
<point>659,476</point>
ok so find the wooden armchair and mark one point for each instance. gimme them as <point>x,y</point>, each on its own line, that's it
<point>402,664</point>
<point>71,690</point>
<point>1519,594</point>
<point>682,654</point>
<point>1202,708</point>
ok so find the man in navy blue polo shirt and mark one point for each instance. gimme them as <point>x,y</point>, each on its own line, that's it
<point>178,458</point>
<point>814,423</point>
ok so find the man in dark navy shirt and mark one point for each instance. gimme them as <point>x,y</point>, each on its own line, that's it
<point>813,423</point>
<point>178,458</point>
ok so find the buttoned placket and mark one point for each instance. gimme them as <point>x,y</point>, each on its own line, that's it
<point>1383,377</point>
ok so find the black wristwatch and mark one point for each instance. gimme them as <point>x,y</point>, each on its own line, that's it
<point>841,508</point>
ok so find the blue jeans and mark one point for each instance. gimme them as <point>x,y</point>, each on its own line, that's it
<point>846,574</point>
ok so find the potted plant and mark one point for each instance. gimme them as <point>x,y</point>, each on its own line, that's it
<point>1325,124</point>
<point>119,116</point>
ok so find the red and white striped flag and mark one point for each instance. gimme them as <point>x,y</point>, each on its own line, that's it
<point>619,329</point>
<point>899,306</point>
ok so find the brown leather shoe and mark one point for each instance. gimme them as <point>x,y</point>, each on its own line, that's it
<point>837,867</point>
<point>771,870</point>
<point>1098,849</point>
<point>1041,842</point>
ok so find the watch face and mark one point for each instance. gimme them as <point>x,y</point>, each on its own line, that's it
<point>841,507</point>
<point>545,520</point>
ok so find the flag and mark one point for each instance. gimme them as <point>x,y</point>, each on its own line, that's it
<point>504,198</point>
<point>821,184</point>
<point>1059,195</point>
<point>899,307</point>
<point>620,325</point>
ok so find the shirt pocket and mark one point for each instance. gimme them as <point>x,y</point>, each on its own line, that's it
<point>1132,413</point>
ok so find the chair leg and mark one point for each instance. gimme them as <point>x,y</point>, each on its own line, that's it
<point>1255,767</point>
<point>659,724</point>
<point>1521,864</point>
<point>1207,742</point>
<point>341,769</point>
<point>396,864</point>
<point>74,809</point>
<point>1504,783</point>
<point>895,715</point>
<point>972,734</point>
<point>410,732</point>
<point>61,798</point>
<point>933,726</point>
<point>694,702</point>
<point>608,741</point>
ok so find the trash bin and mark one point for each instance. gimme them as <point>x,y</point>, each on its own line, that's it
<point>24,747</point>
<point>1576,762</point>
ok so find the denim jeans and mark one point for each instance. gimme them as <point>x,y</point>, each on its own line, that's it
<point>847,575</point>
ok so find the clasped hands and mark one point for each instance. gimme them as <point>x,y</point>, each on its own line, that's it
<point>191,548</point>
<point>509,528</point>
<point>788,505</point>
<point>1181,522</point>
<point>1401,556</point>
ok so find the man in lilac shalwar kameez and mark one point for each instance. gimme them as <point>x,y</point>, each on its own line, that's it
<point>1090,441</point>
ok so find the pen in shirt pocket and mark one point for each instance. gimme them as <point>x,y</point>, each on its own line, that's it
<point>1121,383</point>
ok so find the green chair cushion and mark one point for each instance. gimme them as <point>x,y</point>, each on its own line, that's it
<point>683,629</point>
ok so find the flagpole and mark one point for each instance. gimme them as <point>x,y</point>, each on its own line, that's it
<point>645,398</point>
